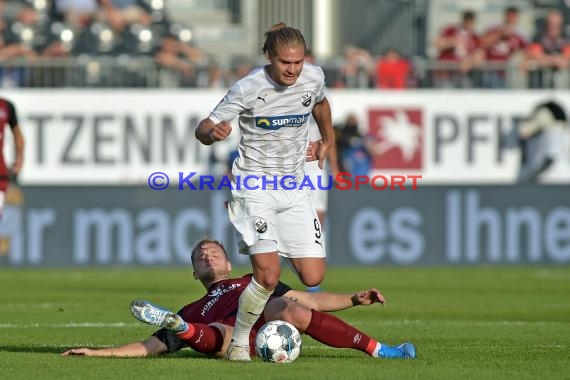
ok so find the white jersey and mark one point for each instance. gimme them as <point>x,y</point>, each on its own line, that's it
<point>273,121</point>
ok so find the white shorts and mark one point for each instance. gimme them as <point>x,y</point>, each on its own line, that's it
<point>320,197</point>
<point>286,217</point>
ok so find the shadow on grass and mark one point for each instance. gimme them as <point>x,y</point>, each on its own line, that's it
<point>183,354</point>
<point>59,349</point>
<point>35,349</point>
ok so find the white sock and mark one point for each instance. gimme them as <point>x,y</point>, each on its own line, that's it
<point>251,304</point>
<point>374,353</point>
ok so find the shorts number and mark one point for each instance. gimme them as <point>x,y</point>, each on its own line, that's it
<point>317,228</point>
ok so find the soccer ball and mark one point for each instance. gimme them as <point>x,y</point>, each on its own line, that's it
<point>278,342</point>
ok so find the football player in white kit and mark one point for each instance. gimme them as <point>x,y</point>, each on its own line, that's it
<point>274,104</point>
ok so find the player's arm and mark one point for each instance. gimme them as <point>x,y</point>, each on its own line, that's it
<point>216,127</point>
<point>18,139</point>
<point>322,115</point>
<point>332,156</point>
<point>324,301</point>
<point>151,346</point>
<point>492,36</point>
<point>209,132</point>
<point>446,39</point>
<point>19,149</point>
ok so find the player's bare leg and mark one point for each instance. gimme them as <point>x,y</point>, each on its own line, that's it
<point>321,214</point>
<point>311,270</point>
<point>266,272</point>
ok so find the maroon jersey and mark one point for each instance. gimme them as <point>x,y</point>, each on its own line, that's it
<point>220,304</point>
<point>7,116</point>
<point>506,46</point>
<point>467,43</point>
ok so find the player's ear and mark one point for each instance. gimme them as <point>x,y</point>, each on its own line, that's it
<point>229,266</point>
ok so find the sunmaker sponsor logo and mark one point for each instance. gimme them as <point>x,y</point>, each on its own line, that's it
<point>276,122</point>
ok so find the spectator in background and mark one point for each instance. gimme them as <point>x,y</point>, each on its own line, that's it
<point>357,70</point>
<point>351,148</point>
<point>179,57</point>
<point>29,36</point>
<point>392,70</point>
<point>548,53</point>
<point>215,77</point>
<point>120,13</point>
<point>500,42</point>
<point>20,39</point>
<point>240,68</point>
<point>459,45</point>
<point>19,34</point>
<point>77,14</point>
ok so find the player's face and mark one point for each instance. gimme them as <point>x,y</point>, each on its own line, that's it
<point>210,263</point>
<point>511,18</point>
<point>286,64</point>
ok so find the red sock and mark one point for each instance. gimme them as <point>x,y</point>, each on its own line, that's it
<point>203,338</point>
<point>334,332</point>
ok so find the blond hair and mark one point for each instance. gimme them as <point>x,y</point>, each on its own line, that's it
<point>281,35</point>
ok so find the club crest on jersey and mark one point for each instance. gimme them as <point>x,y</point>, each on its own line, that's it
<point>260,225</point>
<point>216,292</point>
<point>306,98</point>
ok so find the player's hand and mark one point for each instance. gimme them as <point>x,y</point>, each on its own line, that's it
<point>13,177</point>
<point>312,150</point>
<point>370,296</point>
<point>78,352</point>
<point>16,167</point>
<point>322,150</point>
<point>221,131</point>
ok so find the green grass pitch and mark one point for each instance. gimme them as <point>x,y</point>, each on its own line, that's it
<point>467,322</point>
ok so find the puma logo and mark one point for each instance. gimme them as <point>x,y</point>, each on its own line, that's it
<point>260,98</point>
<point>318,242</point>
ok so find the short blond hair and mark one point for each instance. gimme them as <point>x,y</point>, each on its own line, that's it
<point>281,35</point>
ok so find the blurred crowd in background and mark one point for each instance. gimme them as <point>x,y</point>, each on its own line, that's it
<point>154,51</point>
<point>137,43</point>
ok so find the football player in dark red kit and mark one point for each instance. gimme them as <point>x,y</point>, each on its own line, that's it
<point>206,325</point>
<point>8,116</point>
